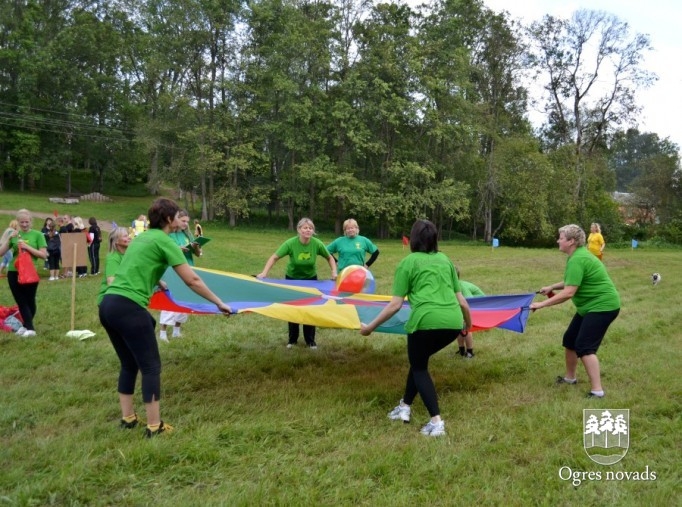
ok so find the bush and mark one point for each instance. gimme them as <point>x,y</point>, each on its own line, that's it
<point>669,233</point>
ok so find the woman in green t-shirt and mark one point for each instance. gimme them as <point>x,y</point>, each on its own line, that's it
<point>597,303</point>
<point>185,241</point>
<point>24,294</point>
<point>123,311</point>
<point>302,251</point>
<point>439,313</point>
<point>119,241</point>
<point>353,248</point>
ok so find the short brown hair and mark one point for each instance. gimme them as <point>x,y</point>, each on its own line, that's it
<point>162,212</point>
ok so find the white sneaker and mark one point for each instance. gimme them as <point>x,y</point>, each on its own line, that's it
<point>177,335</point>
<point>431,429</point>
<point>28,333</point>
<point>20,331</point>
<point>400,413</point>
<point>163,337</point>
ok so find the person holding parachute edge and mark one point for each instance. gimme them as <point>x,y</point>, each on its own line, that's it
<point>597,303</point>
<point>124,315</point>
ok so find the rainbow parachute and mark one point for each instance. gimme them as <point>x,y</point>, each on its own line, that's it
<point>318,303</point>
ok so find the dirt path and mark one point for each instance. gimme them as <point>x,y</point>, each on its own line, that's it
<point>103,224</point>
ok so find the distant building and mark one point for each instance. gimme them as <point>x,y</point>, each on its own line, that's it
<point>633,210</point>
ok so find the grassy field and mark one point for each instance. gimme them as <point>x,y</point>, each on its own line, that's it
<point>257,424</point>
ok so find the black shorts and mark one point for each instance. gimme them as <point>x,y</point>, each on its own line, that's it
<point>585,334</point>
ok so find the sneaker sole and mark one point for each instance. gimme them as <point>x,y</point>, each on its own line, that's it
<point>434,434</point>
<point>400,419</point>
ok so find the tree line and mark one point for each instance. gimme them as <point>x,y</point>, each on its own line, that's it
<point>330,109</point>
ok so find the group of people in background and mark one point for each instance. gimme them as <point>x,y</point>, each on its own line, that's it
<point>427,278</point>
<point>45,245</point>
<point>53,230</point>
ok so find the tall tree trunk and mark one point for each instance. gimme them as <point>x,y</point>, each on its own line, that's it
<point>204,204</point>
<point>210,205</point>
<point>153,182</point>
<point>290,214</point>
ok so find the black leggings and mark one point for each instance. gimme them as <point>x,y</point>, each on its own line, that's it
<point>131,330</point>
<point>53,259</point>
<point>421,345</point>
<point>93,253</point>
<point>308,331</point>
<point>24,295</point>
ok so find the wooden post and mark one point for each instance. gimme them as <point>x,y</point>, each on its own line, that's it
<point>73,289</point>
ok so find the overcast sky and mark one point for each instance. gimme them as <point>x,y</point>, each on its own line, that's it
<point>661,20</point>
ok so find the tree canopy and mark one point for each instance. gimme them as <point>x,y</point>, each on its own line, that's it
<point>333,109</point>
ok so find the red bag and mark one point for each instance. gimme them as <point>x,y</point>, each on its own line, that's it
<point>25,268</point>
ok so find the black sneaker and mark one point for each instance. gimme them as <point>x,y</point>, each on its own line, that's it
<point>125,425</point>
<point>562,380</point>
<point>148,433</point>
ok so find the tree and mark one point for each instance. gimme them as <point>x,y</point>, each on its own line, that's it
<point>496,74</point>
<point>629,152</point>
<point>592,69</point>
<point>648,167</point>
<point>288,65</point>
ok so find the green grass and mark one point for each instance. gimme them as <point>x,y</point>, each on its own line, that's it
<point>257,424</point>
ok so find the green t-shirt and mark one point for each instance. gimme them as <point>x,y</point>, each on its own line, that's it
<point>596,292</point>
<point>35,239</point>
<point>184,240</point>
<point>111,264</point>
<point>351,250</point>
<point>470,290</point>
<point>143,265</point>
<point>429,281</point>
<point>302,258</point>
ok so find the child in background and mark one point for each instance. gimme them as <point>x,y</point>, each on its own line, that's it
<point>465,342</point>
<point>79,226</point>
<point>94,240</point>
<point>7,258</point>
<point>184,239</point>
<point>54,250</point>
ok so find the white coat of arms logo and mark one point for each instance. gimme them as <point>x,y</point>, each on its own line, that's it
<point>606,434</point>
